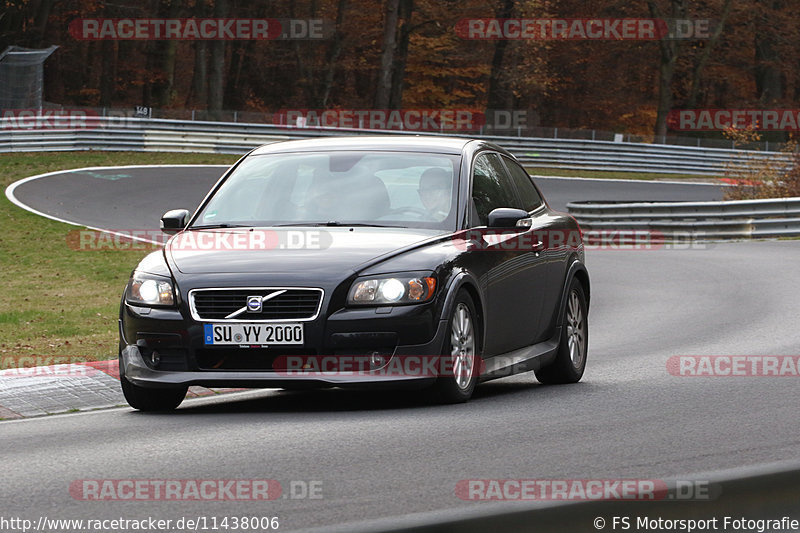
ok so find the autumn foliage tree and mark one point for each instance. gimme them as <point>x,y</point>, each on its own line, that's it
<point>406,54</point>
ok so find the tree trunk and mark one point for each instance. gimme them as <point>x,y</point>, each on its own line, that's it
<point>769,82</point>
<point>385,74</point>
<point>333,55</point>
<point>109,73</point>
<point>305,78</point>
<point>108,65</point>
<point>498,85</point>
<point>233,80</point>
<point>199,88</point>
<point>697,74</point>
<point>401,56</point>
<point>42,14</point>
<point>149,66</point>
<point>669,54</point>
<point>162,89</point>
<point>216,79</point>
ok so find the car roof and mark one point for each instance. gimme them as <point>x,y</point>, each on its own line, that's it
<point>399,143</point>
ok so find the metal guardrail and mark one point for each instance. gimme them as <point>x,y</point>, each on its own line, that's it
<point>768,494</point>
<point>136,134</point>
<point>737,219</point>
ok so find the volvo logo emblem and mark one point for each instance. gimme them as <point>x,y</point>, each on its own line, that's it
<point>254,304</point>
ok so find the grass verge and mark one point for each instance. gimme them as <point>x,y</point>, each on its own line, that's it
<point>55,301</point>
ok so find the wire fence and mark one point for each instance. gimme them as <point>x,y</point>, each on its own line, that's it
<point>488,128</point>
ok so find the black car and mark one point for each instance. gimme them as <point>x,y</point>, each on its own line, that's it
<point>407,261</point>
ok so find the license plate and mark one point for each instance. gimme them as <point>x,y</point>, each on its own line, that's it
<point>262,334</point>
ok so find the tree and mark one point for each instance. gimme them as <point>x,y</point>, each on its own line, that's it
<point>669,49</point>
<point>386,72</point>
<point>498,97</point>
<point>768,76</point>
<point>216,78</point>
<point>705,54</point>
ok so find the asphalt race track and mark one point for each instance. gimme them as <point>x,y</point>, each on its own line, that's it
<point>135,198</point>
<point>387,455</point>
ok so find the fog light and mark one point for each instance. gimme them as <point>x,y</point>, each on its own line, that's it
<point>155,358</point>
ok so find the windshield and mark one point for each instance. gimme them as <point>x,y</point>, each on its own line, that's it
<point>400,189</point>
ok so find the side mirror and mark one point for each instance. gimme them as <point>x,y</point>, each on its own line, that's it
<point>174,221</point>
<point>505,217</point>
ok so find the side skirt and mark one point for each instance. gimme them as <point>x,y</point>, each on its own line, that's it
<point>525,359</point>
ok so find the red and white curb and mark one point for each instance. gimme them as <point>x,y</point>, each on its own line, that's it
<point>52,389</point>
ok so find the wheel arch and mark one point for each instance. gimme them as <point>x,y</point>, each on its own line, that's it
<point>577,270</point>
<point>463,280</point>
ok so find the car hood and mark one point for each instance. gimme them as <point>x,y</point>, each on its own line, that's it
<point>285,250</point>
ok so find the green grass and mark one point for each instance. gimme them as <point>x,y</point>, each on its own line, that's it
<point>611,174</point>
<point>56,301</point>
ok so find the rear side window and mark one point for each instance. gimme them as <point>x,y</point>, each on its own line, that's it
<point>491,187</point>
<point>527,191</point>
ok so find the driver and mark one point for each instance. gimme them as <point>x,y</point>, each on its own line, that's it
<point>434,192</point>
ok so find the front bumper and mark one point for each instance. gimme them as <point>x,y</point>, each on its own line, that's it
<point>183,359</point>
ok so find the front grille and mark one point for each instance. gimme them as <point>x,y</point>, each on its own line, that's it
<point>255,359</point>
<point>294,304</point>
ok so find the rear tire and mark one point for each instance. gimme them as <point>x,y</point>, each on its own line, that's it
<point>145,399</point>
<point>463,346</point>
<point>570,360</point>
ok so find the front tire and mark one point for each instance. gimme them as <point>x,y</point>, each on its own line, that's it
<point>463,347</point>
<point>145,399</point>
<point>570,360</point>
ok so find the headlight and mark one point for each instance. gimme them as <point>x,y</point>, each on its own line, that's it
<point>392,290</point>
<point>147,289</point>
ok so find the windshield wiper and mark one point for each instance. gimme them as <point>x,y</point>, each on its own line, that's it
<point>335,223</point>
<point>220,226</point>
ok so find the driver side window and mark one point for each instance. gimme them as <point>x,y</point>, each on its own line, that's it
<point>491,188</point>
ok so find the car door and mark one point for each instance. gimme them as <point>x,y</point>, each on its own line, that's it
<point>509,259</point>
<point>550,269</point>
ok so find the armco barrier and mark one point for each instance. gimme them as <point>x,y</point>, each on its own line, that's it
<point>737,219</point>
<point>771,492</point>
<point>125,133</point>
